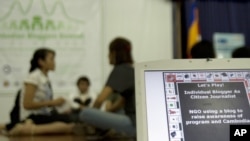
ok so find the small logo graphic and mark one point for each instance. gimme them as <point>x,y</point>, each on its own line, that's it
<point>239,132</point>
<point>170,91</point>
<point>174,119</point>
<point>247,76</point>
<point>186,76</point>
<point>209,75</point>
<point>169,85</point>
<point>171,98</point>
<point>239,75</point>
<point>173,112</point>
<point>224,74</point>
<point>171,78</point>
<point>202,75</point>
<point>232,75</point>
<point>179,77</point>
<point>6,69</point>
<point>194,76</point>
<point>6,83</point>
<point>172,105</point>
<point>217,75</point>
<point>174,126</point>
<point>173,134</point>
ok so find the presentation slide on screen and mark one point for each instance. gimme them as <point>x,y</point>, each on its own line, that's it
<point>202,105</point>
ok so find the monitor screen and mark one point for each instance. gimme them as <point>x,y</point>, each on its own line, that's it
<point>196,105</point>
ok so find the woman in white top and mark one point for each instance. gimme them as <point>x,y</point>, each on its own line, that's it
<point>37,104</point>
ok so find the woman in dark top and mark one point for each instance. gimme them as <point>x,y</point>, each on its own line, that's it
<point>121,80</point>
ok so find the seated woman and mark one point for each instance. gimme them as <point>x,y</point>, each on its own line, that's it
<point>121,80</point>
<point>37,106</point>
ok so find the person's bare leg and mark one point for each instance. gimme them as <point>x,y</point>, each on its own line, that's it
<point>21,128</point>
<point>51,128</point>
<point>2,127</point>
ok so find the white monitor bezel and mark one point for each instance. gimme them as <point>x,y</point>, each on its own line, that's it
<point>174,64</point>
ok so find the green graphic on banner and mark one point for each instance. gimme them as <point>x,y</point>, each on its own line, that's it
<point>48,28</point>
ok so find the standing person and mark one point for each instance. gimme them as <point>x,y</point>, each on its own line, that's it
<point>120,80</point>
<point>37,104</point>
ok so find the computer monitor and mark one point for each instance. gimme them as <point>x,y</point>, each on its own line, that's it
<point>191,100</point>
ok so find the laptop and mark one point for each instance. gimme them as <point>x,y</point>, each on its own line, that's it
<point>191,99</point>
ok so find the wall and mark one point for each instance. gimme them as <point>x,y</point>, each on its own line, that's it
<point>146,23</point>
<point>6,103</point>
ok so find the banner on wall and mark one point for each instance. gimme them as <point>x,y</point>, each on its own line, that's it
<point>72,29</point>
<point>226,43</point>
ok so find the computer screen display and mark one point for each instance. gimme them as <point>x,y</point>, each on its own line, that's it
<point>196,105</point>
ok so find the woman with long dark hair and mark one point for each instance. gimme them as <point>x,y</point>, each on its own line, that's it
<point>120,80</point>
<point>36,100</point>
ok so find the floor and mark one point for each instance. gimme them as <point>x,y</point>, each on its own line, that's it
<point>61,138</point>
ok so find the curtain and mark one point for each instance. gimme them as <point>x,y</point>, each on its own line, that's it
<point>224,16</point>
<point>230,16</point>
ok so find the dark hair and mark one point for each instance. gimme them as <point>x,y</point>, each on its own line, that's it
<point>83,78</point>
<point>203,49</point>
<point>40,53</point>
<point>241,52</point>
<point>122,47</point>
